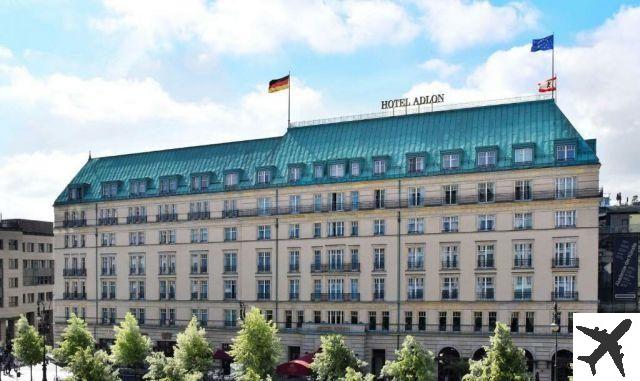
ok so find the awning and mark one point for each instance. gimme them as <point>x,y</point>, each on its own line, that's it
<point>294,368</point>
<point>221,354</point>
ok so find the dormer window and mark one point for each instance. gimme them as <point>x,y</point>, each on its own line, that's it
<point>109,190</point>
<point>355,168</point>
<point>138,187</point>
<point>486,158</point>
<point>75,193</point>
<point>379,166</point>
<point>295,174</point>
<point>565,151</point>
<point>415,164</point>
<point>264,176</point>
<point>168,185</point>
<point>523,155</point>
<point>200,183</point>
<point>318,171</point>
<point>450,161</point>
<point>231,179</point>
<point>336,170</point>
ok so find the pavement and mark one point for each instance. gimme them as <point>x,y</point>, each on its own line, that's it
<point>37,374</point>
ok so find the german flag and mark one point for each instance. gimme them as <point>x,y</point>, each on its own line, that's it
<point>279,84</point>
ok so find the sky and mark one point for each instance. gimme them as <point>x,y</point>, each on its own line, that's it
<point>118,76</point>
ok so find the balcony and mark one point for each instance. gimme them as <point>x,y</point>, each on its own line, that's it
<point>107,221</point>
<point>166,217</point>
<point>294,296</point>
<point>378,295</point>
<point>485,264</point>
<point>415,295</point>
<point>229,296</point>
<point>167,270</point>
<point>228,269</point>
<point>38,276</point>
<point>449,264</point>
<point>335,297</point>
<point>564,295</point>
<point>335,267</point>
<point>232,213</point>
<point>74,296</point>
<point>108,271</point>
<point>202,270</point>
<point>136,219</point>
<point>294,268</point>
<point>74,223</point>
<point>264,269</point>
<point>136,271</point>
<point>522,294</point>
<point>202,215</point>
<point>199,296</point>
<point>522,262</point>
<point>167,295</point>
<point>263,295</point>
<point>450,294</point>
<point>136,295</point>
<point>74,272</point>
<point>486,294</point>
<point>107,296</point>
<point>415,265</point>
<point>571,263</point>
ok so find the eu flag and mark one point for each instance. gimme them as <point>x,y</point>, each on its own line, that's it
<point>545,43</point>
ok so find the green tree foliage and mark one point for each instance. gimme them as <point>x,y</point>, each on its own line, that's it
<point>332,362</point>
<point>256,348</point>
<point>193,352</point>
<point>75,337</point>
<point>412,363</point>
<point>353,375</point>
<point>87,365</point>
<point>131,347</point>
<point>162,368</point>
<point>28,345</point>
<point>504,361</point>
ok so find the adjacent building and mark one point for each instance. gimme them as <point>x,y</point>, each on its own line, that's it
<point>26,274</point>
<point>435,224</point>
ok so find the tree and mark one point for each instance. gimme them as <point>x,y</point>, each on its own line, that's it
<point>28,345</point>
<point>193,352</point>
<point>335,357</point>
<point>412,363</point>
<point>87,365</point>
<point>504,361</point>
<point>256,348</point>
<point>131,347</point>
<point>75,337</point>
<point>162,368</point>
<point>353,375</point>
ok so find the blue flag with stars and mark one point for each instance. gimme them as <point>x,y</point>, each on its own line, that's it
<point>545,43</point>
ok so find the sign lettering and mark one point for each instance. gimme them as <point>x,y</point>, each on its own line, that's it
<point>417,101</point>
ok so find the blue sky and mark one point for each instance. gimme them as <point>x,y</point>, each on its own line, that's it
<point>119,76</point>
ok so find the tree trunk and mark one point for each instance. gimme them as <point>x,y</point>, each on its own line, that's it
<point>31,372</point>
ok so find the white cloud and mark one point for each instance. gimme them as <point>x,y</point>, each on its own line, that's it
<point>440,67</point>
<point>597,90</point>
<point>456,24</point>
<point>5,53</point>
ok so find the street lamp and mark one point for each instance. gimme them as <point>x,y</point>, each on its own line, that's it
<point>44,324</point>
<point>555,328</point>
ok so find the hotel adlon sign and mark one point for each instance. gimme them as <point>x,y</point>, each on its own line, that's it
<point>417,101</point>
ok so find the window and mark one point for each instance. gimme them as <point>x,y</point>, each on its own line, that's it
<point>415,164</point>
<point>378,288</point>
<point>317,230</point>
<point>485,256</point>
<point>355,200</point>
<point>230,262</point>
<point>200,183</point>
<point>295,174</point>
<point>564,287</point>
<point>385,320</point>
<point>379,195</point>
<point>317,203</point>
<point>230,318</point>
<point>486,222</point>
<point>415,225</point>
<point>486,192</point>
<point>523,255</point>
<point>523,155</point>
<point>264,262</point>
<point>230,209</point>
<point>294,204</point>
<point>522,287</point>
<point>373,320</point>
<point>264,289</point>
<point>493,317</point>
<point>336,170</point>
<point>450,161</point>
<point>450,288</point>
<point>335,317</point>
<point>486,158</point>
<point>199,210</point>
<point>264,176</point>
<point>336,259</point>
<point>415,288</point>
<point>200,235</point>
<point>522,221</point>
<point>477,321</point>
<point>523,190</point>
<point>138,187</point>
<point>167,262</point>
<point>530,321</point>
<point>565,218</point>
<point>336,201</point>
<point>294,231</point>
<point>378,259</point>
<point>294,289</point>
<point>455,321</point>
<point>408,320</point>
<point>379,166</point>
<point>565,254</point>
<point>355,168</point>
<point>378,227</point>
<point>484,288</point>
<point>565,187</point>
<point>449,224</point>
<point>75,193</point>
<point>230,289</point>
<point>168,185</point>
<point>414,197</point>
<point>318,171</point>
<point>354,228</point>
<point>415,258</point>
<point>565,152</point>
<point>442,321</point>
<point>231,179</point>
<point>230,233</point>
<point>199,263</point>
<point>422,321</point>
<point>450,194</point>
<point>264,206</point>
<point>167,237</point>
<point>264,232</point>
<point>335,229</point>
<point>109,190</point>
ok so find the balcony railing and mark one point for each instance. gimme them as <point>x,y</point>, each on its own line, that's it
<point>522,294</point>
<point>75,295</point>
<point>264,295</point>
<point>449,264</point>
<point>294,268</point>
<point>195,269</point>
<point>565,262</point>
<point>136,219</point>
<point>415,265</point>
<point>202,215</point>
<point>335,297</point>
<point>264,269</point>
<point>339,267</point>
<point>564,295</point>
<point>199,296</point>
<point>450,294</point>
<point>229,296</point>
<point>108,295</point>
<point>378,295</point>
<point>487,294</point>
<point>136,270</point>
<point>294,296</point>
<point>522,262</point>
<point>136,295</point>
<point>167,270</point>
<point>230,269</point>
<point>108,271</point>
<point>74,272</point>
<point>166,217</point>
<point>415,295</point>
<point>108,221</point>
<point>74,223</point>
<point>167,295</point>
<point>485,263</point>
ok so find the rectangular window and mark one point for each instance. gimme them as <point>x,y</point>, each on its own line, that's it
<point>294,289</point>
<point>378,259</point>
<point>416,164</point>
<point>450,194</point>
<point>477,321</point>
<point>200,183</point>
<point>317,203</point>
<point>422,321</point>
<point>230,262</point>
<point>230,289</point>
<point>379,166</point>
<point>530,322</point>
<point>565,254</point>
<point>523,190</point>
<point>414,197</point>
<point>515,321</point>
<point>565,187</point>
<point>138,187</point>
<point>523,155</point>
<point>523,255</point>
<point>354,228</point>
<point>379,198</point>
<point>449,224</point>
<point>486,158</point>
<point>415,288</point>
<point>317,230</point>
<point>415,258</point>
<point>109,190</point>
<point>168,185</point>
<point>295,173</point>
<point>294,231</point>
<point>355,168</point>
<point>318,171</point>
<point>408,320</point>
<point>336,201</point>
<point>486,222</point>
<point>450,161</point>
<point>264,232</point>
<point>486,192</point>
<point>450,288</point>
<point>378,227</point>
<point>523,221</point>
<point>493,316</point>
<point>449,256</point>
<point>231,179</point>
<point>442,321</point>
<point>522,287</point>
<point>336,170</point>
<point>565,152</point>
<point>456,321</point>
<point>415,225</point>
<point>264,176</point>
<point>294,204</point>
<point>373,320</point>
<point>264,262</point>
<point>230,233</point>
<point>485,288</point>
<point>564,287</point>
<point>565,218</point>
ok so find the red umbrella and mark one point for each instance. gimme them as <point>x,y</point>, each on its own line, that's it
<point>222,355</point>
<point>294,368</point>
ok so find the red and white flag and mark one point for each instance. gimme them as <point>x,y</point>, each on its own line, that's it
<point>548,85</point>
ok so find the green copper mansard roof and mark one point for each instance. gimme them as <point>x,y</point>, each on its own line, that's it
<point>503,127</point>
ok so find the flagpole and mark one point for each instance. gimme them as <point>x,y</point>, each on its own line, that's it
<point>289,102</point>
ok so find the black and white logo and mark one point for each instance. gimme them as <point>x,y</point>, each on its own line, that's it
<point>598,347</point>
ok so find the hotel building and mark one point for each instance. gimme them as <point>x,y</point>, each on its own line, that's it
<point>436,224</point>
<point>26,274</point>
